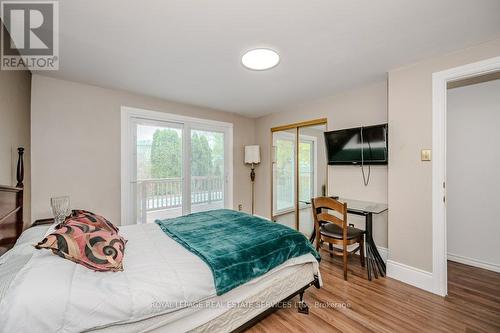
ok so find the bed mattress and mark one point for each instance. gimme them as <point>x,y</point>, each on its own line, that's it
<point>163,288</point>
<point>227,312</point>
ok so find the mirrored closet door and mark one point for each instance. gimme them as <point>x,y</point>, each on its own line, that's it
<point>312,172</point>
<point>284,177</point>
<point>299,172</point>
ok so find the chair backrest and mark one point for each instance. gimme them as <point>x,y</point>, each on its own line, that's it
<point>320,204</point>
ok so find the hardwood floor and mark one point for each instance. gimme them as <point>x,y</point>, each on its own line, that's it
<point>387,305</point>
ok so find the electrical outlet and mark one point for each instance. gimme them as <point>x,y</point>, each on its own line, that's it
<point>240,207</point>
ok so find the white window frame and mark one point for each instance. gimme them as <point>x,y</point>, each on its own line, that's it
<point>302,138</point>
<point>129,115</point>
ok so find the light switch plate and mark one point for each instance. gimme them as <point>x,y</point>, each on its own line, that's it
<point>425,155</point>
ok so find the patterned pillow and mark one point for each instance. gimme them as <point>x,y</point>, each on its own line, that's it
<point>87,245</point>
<point>84,216</point>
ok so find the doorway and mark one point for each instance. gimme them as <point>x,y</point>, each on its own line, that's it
<point>173,165</point>
<point>299,172</point>
<point>440,82</point>
<point>472,164</point>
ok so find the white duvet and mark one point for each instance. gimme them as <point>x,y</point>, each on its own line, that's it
<point>50,294</point>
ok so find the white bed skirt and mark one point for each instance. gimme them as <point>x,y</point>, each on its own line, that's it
<point>269,291</point>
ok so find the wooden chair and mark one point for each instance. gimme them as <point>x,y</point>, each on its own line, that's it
<point>335,231</point>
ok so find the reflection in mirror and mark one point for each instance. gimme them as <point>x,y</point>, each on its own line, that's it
<point>284,177</point>
<point>299,174</point>
<point>312,173</point>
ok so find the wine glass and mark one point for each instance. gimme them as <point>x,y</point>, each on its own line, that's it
<point>60,208</point>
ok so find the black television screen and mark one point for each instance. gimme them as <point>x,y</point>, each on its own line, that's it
<point>356,145</point>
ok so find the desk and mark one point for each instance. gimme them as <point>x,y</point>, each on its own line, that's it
<point>374,261</point>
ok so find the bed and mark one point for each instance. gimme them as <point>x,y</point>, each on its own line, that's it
<point>164,288</point>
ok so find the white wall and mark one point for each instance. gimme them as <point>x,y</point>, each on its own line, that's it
<point>410,130</point>
<point>365,105</point>
<point>75,135</point>
<point>473,173</point>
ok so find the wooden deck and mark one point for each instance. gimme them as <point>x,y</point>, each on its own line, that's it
<point>387,305</point>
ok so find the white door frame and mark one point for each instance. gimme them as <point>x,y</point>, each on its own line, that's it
<point>128,114</point>
<point>439,96</point>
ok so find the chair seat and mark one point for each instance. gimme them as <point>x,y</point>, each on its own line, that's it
<point>334,231</point>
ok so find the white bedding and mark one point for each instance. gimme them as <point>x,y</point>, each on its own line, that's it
<point>50,294</point>
<point>14,259</point>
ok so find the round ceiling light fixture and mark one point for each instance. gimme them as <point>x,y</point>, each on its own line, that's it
<point>260,59</point>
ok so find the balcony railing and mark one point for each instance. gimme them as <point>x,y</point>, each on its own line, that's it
<point>166,193</point>
<point>285,189</point>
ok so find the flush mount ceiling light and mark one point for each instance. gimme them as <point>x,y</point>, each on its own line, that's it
<point>260,59</point>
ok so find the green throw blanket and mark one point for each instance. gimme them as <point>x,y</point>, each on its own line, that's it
<point>236,246</point>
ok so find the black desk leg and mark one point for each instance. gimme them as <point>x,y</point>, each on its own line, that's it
<point>377,265</point>
<point>368,263</point>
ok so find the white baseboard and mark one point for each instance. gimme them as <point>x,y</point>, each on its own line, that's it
<point>410,275</point>
<point>384,253</point>
<point>474,262</point>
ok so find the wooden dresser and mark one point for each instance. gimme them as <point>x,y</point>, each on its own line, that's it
<point>11,209</point>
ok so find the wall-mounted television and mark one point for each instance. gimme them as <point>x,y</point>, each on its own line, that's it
<point>359,145</point>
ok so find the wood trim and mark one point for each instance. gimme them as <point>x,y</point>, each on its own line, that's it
<point>320,121</point>
<point>5,188</point>
<point>271,153</point>
<point>296,180</point>
<point>9,214</point>
<point>20,168</point>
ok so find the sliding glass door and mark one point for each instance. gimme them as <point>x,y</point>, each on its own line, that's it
<point>207,170</point>
<point>177,168</point>
<point>159,168</point>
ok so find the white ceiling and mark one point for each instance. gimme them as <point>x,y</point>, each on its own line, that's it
<point>189,50</point>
